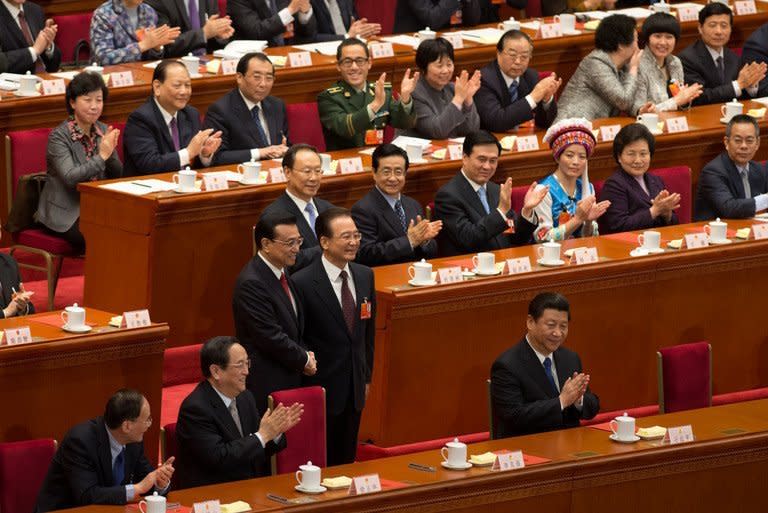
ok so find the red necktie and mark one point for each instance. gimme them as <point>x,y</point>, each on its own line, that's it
<point>39,67</point>
<point>286,288</point>
<point>347,304</point>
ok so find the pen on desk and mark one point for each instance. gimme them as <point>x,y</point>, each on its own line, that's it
<point>141,185</point>
<point>277,498</point>
<point>423,468</point>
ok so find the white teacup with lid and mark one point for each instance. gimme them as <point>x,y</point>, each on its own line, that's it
<point>185,179</point>
<point>308,476</point>
<point>623,428</point>
<point>510,24</point>
<point>94,68</point>
<point>27,84</point>
<point>154,503</point>
<point>730,109</point>
<point>73,317</point>
<point>427,33</point>
<point>455,454</point>
<point>717,231</point>
<point>249,171</point>
<point>420,272</point>
<point>192,63</point>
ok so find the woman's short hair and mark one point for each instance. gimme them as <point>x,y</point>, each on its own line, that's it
<point>615,30</point>
<point>433,50</point>
<point>632,133</point>
<point>660,23</point>
<point>84,83</point>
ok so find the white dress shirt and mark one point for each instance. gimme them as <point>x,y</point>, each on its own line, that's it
<point>255,153</point>
<point>334,275</point>
<point>183,152</point>
<point>287,18</point>
<point>301,204</point>
<point>761,200</point>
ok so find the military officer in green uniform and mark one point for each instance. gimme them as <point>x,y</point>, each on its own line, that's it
<point>354,112</point>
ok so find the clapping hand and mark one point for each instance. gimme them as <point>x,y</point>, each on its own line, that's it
<point>279,420</point>
<point>408,85</point>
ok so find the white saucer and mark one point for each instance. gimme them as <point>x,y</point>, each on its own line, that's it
<point>447,465</point>
<point>319,489</point>
<point>724,121</point>
<point>179,191</point>
<point>81,329</point>
<point>196,75</point>
<point>571,32</point>
<point>657,131</point>
<point>556,263</point>
<point>655,251</point>
<point>415,283</point>
<point>494,273</point>
<point>246,182</point>
<point>27,95</point>
<point>638,252</point>
<point>634,439</point>
<point>720,242</point>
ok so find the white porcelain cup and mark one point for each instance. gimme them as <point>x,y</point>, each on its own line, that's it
<point>414,151</point>
<point>717,230</point>
<point>650,120</point>
<point>660,7</point>
<point>250,171</point>
<point>455,453</point>
<point>623,427</point>
<point>732,108</point>
<point>192,63</point>
<point>567,22</point>
<point>549,252</point>
<point>73,316</point>
<point>649,239</point>
<point>325,162</point>
<point>153,504</point>
<point>94,68</point>
<point>27,84</point>
<point>420,272</point>
<point>186,180</point>
<point>427,34</point>
<point>485,263</point>
<point>510,24</point>
<point>308,476</point>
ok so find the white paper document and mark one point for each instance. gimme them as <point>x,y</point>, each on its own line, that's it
<point>486,36</point>
<point>402,39</point>
<point>403,141</point>
<point>324,48</point>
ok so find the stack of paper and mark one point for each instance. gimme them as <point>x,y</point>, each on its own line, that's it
<point>687,5</point>
<point>140,187</point>
<point>402,39</point>
<point>403,141</point>
<point>639,13</point>
<point>325,48</point>
<point>237,49</point>
<point>486,36</point>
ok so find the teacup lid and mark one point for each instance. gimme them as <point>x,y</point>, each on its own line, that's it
<point>427,30</point>
<point>74,308</point>
<point>625,417</point>
<point>155,497</point>
<point>455,443</point>
<point>308,466</point>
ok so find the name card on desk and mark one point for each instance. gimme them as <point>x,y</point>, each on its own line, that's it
<point>518,265</point>
<point>677,125</point>
<point>228,66</point>
<point>449,275</point>
<point>381,50</point>
<point>678,435</point>
<point>509,461</point>
<point>121,78</point>
<point>550,30</point>
<point>365,484</point>
<point>527,143</point>
<point>454,38</point>
<point>136,319</point>
<point>687,13</point>
<point>608,133</point>
<point>300,59</point>
<point>276,175</point>
<point>215,181</point>
<point>745,7</point>
<point>585,256</point>
<point>760,231</point>
<point>207,507</point>
<point>455,152</point>
<point>696,240</point>
<point>20,335</point>
<point>351,165</point>
<point>54,86</point>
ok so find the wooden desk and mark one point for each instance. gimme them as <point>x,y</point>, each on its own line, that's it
<point>587,474</point>
<point>61,379</point>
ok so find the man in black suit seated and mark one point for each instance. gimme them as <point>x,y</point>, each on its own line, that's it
<point>302,168</point>
<point>253,125</point>
<point>510,92</point>
<point>339,301</point>
<point>732,185</point>
<point>390,222</point>
<point>537,385</point>
<point>268,319</point>
<point>466,204</point>
<point>164,133</point>
<point>756,52</point>
<point>27,37</point>
<point>274,21</point>
<point>221,434</point>
<point>415,15</point>
<point>337,20</point>
<point>710,63</point>
<point>102,461</point>
<point>203,29</point>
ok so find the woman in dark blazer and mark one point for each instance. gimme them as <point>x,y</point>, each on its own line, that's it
<point>80,149</point>
<point>638,200</point>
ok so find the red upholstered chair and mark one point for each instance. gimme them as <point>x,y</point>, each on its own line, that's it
<point>181,374</point>
<point>73,37</point>
<point>382,12</point>
<point>23,466</point>
<point>306,440</point>
<point>367,452</point>
<point>678,179</point>
<point>168,444</point>
<point>533,9</point>
<point>740,396</point>
<point>518,195</point>
<point>685,377</point>
<point>636,412</point>
<point>304,125</point>
<point>119,125</point>
<point>222,8</point>
<point>490,408</point>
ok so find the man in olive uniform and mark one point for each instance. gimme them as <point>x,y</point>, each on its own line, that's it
<point>354,112</point>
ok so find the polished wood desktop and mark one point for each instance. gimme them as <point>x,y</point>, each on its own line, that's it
<point>61,379</point>
<point>722,470</point>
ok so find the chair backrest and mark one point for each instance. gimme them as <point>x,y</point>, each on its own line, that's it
<point>168,444</point>
<point>304,124</point>
<point>533,9</point>
<point>23,466</point>
<point>491,420</point>
<point>382,12</point>
<point>685,377</point>
<point>306,440</point>
<point>678,179</point>
<point>72,30</point>
<point>24,154</point>
<point>182,365</point>
<point>222,7</point>
<point>119,125</point>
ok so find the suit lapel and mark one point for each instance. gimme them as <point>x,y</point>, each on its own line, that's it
<point>269,277</point>
<point>387,213</point>
<point>269,115</point>
<point>470,196</point>
<point>361,294</point>
<point>11,26</point>
<point>306,232</point>
<point>325,291</point>
<point>164,132</point>
<point>536,370</point>
<point>104,450</point>
<point>563,372</point>
<point>244,115</point>
<point>183,12</point>
<point>221,411</point>
<point>734,177</point>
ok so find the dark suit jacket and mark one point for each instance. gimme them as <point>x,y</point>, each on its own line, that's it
<point>147,143</point>
<point>466,226</point>
<point>230,114</point>
<point>269,329</point>
<point>384,240</point>
<point>9,279</point>
<point>3,62</point>
<point>252,19</point>
<point>81,471</point>
<point>721,192</point>
<point>498,113</point>
<point>174,14</point>
<point>325,30</point>
<point>414,15</point>
<point>700,68</point>
<point>211,449</point>
<point>14,45</point>
<point>310,249</point>
<point>342,358</point>
<point>630,205</point>
<point>756,50</point>
<point>523,399</point>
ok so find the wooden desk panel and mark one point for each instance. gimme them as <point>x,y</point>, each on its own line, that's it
<point>63,379</point>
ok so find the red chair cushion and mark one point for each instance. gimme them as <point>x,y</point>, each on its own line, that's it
<point>304,125</point>
<point>678,179</point>
<point>27,156</point>
<point>40,239</point>
<point>636,412</point>
<point>171,446</point>
<point>181,365</point>
<point>742,395</point>
<point>23,466</point>
<point>367,452</point>
<point>171,403</point>
<point>685,369</point>
<point>306,440</point>
<point>72,28</point>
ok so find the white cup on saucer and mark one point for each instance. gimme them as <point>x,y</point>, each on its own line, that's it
<point>730,109</point>
<point>308,476</point>
<point>426,33</point>
<point>623,428</point>
<point>650,120</point>
<point>415,152</point>
<point>154,503</point>
<point>717,230</point>
<point>510,24</point>
<point>192,63</point>
<point>325,162</point>
<point>420,272</point>
<point>249,171</point>
<point>549,252</point>
<point>186,180</point>
<point>74,317</point>
<point>567,22</point>
<point>649,240</point>
<point>661,7</point>
<point>485,263</point>
<point>28,84</point>
<point>455,453</point>
<point>94,68</point>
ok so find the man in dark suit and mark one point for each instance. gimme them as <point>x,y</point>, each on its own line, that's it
<point>477,214</point>
<point>253,125</point>
<point>511,93</point>
<point>221,434</point>
<point>268,319</point>
<point>708,62</point>
<point>102,461</point>
<point>390,222</point>
<point>755,53</point>
<point>302,168</point>
<point>15,300</point>
<point>164,133</point>
<point>537,385</point>
<point>337,20</point>
<point>415,15</point>
<point>3,62</point>
<point>339,301</point>
<point>203,30</point>
<point>27,38</point>
<point>273,20</point>
<point>732,185</point>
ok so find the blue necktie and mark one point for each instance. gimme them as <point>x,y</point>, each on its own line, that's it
<point>513,90</point>
<point>548,372</point>
<point>310,210</point>
<point>263,141</point>
<point>484,199</point>
<point>118,469</point>
<point>401,215</point>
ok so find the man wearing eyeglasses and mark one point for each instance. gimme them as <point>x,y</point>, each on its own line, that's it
<point>338,297</point>
<point>303,171</point>
<point>268,319</point>
<point>354,112</point>
<point>510,92</point>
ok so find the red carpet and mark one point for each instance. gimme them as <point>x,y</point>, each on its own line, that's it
<point>68,291</point>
